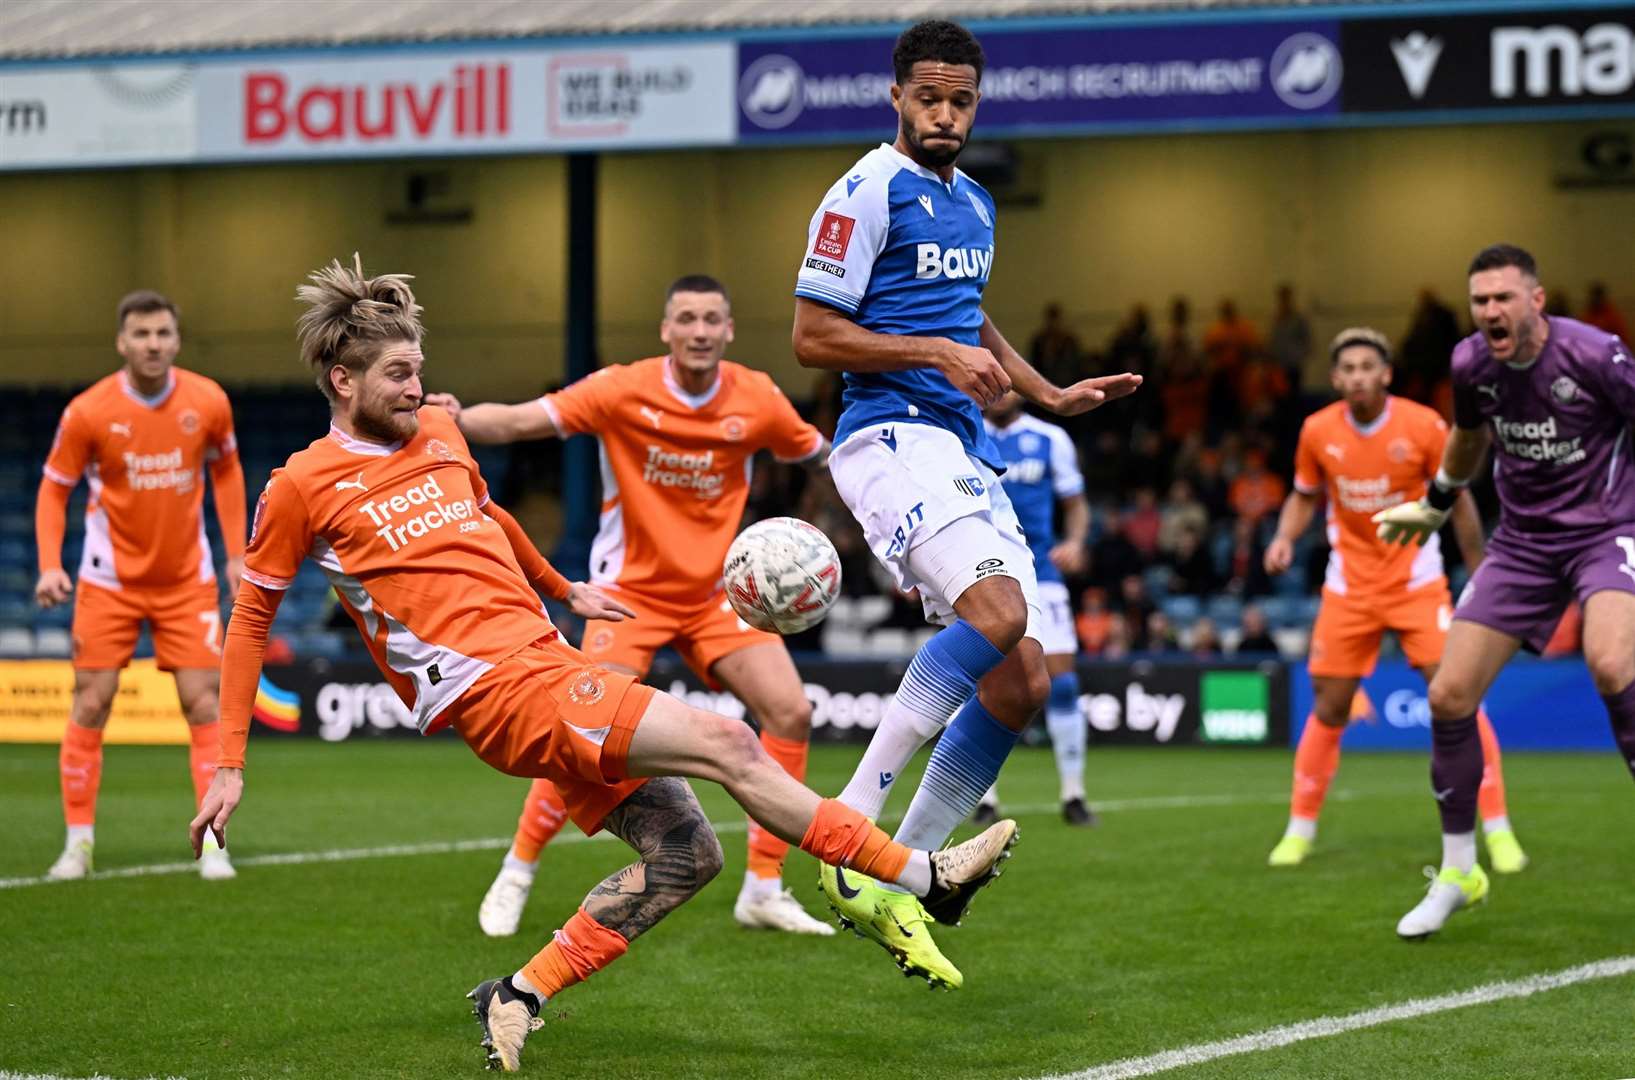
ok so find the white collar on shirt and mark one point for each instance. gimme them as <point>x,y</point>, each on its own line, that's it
<point>354,445</point>
<point>692,401</point>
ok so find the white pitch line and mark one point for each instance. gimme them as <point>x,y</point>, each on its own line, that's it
<point>1324,1026</point>
<point>494,843</point>
<point>4,1075</point>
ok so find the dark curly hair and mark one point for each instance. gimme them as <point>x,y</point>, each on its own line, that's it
<point>935,39</point>
<point>1499,256</point>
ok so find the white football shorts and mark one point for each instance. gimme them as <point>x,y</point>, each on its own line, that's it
<point>1060,638</point>
<point>937,519</point>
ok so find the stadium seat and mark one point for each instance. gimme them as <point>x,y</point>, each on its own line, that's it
<point>53,642</point>
<point>16,643</point>
<point>1181,610</point>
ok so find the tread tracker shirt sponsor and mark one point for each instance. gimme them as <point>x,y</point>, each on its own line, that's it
<point>430,580</point>
<point>1041,466</point>
<point>1365,470</point>
<point>1561,428</point>
<point>144,459</point>
<point>902,252</point>
<point>675,469</point>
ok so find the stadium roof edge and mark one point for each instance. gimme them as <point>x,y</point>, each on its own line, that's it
<point>88,29</point>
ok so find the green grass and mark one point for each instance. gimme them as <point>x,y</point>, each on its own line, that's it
<point>1160,929</point>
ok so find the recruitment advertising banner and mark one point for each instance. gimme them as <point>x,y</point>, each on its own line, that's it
<point>1554,57</point>
<point>1534,705</point>
<point>35,696</point>
<point>1056,81</point>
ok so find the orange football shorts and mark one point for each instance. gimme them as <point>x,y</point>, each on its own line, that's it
<point>1345,640</point>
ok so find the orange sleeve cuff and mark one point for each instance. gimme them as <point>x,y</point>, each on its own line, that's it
<point>51,522</point>
<point>241,654</point>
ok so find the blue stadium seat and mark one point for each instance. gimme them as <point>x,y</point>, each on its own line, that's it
<point>1181,610</point>
<point>1225,610</point>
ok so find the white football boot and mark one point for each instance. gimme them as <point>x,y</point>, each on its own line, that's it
<point>501,910</point>
<point>775,909</point>
<point>73,864</point>
<point>1450,891</point>
<point>214,863</point>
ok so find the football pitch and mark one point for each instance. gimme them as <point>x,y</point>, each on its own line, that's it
<point>346,944</point>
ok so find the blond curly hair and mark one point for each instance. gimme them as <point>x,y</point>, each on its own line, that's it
<point>350,316</point>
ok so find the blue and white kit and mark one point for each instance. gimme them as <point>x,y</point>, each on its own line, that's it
<point>901,252</point>
<point>1042,466</point>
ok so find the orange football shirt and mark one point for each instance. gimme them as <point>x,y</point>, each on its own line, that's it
<point>144,459</point>
<point>1366,470</point>
<point>431,581</point>
<point>675,468</point>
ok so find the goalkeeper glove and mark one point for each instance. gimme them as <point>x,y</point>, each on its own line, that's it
<point>1416,522</point>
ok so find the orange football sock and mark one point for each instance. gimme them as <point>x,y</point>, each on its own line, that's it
<point>841,836</point>
<point>80,764</point>
<point>1490,801</point>
<point>204,741</point>
<point>543,815</point>
<point>766,852</point>
<point>581,948</point>
<point>1315,761</point>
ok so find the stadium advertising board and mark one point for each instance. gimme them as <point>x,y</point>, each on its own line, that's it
<point>103,115</point>
<point>1040,82</point>
<point>1534,705</point>
<point>1142,704</point>
<point>1557,57</point>
<point>35,696</point>
<point>458,102</point>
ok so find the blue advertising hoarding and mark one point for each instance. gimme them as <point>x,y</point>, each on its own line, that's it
<point>1054,81</point>
<point>1534,705</point>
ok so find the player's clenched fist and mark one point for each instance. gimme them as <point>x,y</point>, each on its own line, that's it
<point>974,371</point>
<point>53,588</point>
<point>1409,522</point>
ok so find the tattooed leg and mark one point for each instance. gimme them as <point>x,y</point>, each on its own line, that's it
<point>679,853</point>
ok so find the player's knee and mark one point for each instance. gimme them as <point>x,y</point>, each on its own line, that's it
<point>91,707</point>
<point>201,708</point>
<point>735,749</point>
<point>999,613</point>
<point>706,855</point>
<point>789,720</point>
<point>1449,700</point>
<point>1611,667</point>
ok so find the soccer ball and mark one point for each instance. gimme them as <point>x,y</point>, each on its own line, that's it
<point>782,575</point>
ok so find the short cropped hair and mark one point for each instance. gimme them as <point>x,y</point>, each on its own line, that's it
<point>1359,335</point>
<point>348,316</point>
<point>1499,256</point>
<point>935,39</point>
<point>696,283</point>
<point>145,302</point>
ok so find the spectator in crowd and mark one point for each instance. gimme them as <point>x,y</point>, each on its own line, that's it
<point>1247,576</point>
<point>1290,344</point>
<point>1209,481</point>
<point>1229,344</point>
<point>1182,513</point>
<point>1117,646</point>
<point>1055,351</point>
<point>1094,622</point>
<point>1257,636</point>
<point>1422,361</point>
<point>1133,347</point>
<point>1148,464</point>
<point>1204,642</point>
<point>1192,567</point>
<point>1141,524</point>
<point>1256,491</point>
<point>1104,464</point>
<point>1603,314</point>
<point>1160,635</point>
<point>1183,388</point>
<point>1135,605</point>
<point>1112,557</point>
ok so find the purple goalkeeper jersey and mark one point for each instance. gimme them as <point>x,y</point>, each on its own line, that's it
<point>1562,428</point>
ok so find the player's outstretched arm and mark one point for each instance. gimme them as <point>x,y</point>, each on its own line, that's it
<point>241,654</point>
<point>492,422</point>
<point>50,525</point>
<point>1415,522</point>
<point>1292,521</point>
<point>825,338</point>
<point>1081,397</point>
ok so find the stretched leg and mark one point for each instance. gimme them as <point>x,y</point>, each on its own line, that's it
<point>764,678</point>
<point>543,815</point>
<point>1609,650</point>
